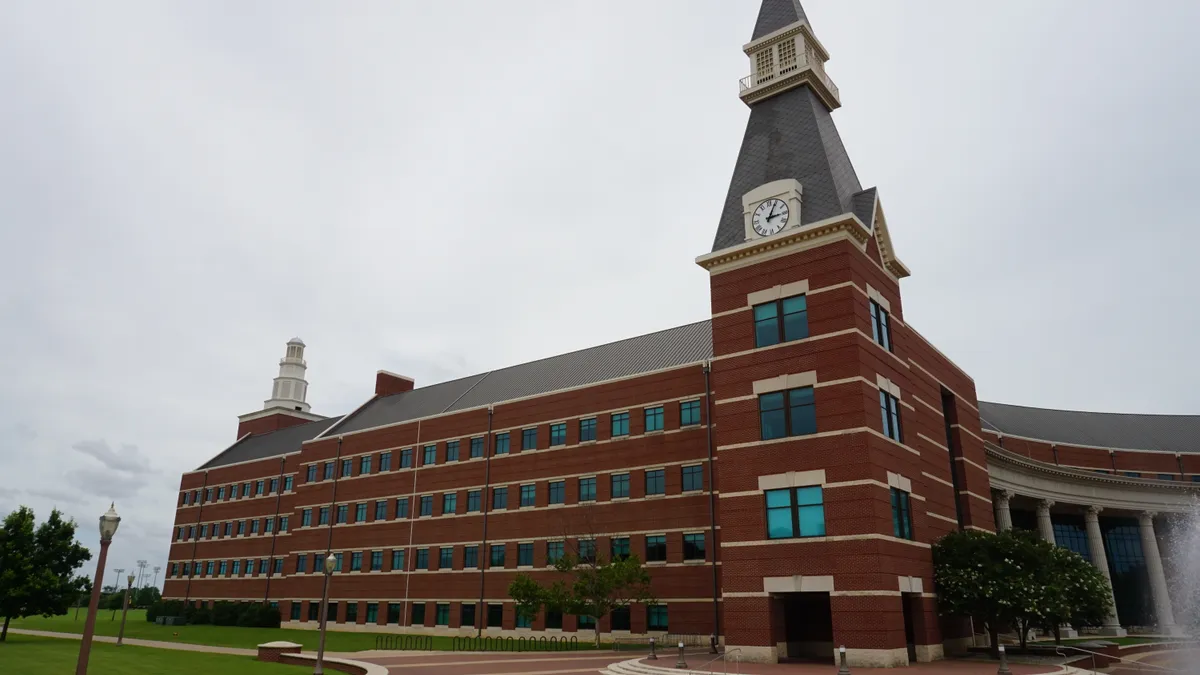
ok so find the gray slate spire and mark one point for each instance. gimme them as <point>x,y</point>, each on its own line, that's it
<point>775,14</point>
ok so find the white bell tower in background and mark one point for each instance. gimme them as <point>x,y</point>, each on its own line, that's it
<point>290,386</point>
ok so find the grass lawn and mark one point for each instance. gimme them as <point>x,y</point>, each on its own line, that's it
<point>222,636</point>
<point>49,656</point>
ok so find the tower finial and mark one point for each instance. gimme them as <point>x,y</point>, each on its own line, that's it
<point>290,387</point>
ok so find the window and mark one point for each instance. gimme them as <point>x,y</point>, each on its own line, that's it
<point>529,439</point>
<point>402,507</point>
<point>426,505</point>
<point>495,615</point>
<point>554,619</point>
<point>295,610</point>
<point>337,562</point>
<point>558,434</point>
<point>314,611</point>
<point>1166,476</point>
<point>241,527</point>
<point>620,424</point>
<point>441,614</point>
<point>228,529</point>
<point>528,495</point>
<point>385,461</point>
<point>221,493</point>
<point>524,621</point>
<point>558,491</point>
<point>328,475</point>
<point>466,614</point>
<point>274,485</point>
<point>323,516</point>
<point>476,447</point>
<point>446,558</point>
<point>620,548</point>
<point>587,489</point>
<point>372,612</point>
<point>787,413</point>
<point>901,515</point>
<point>654,418</point>
<point>769,330</point>
<point>398,559</point>
<point>795,512</point>
<point>268,525</point>
<point>204,531</point>
<point>351,612</point>
<point>278,565</point>
<point>497,556</point>
<point>376,561</point>
<point>287,483</point>
<point>524,555</point>
<point>208,569</point>
<point>470,556</point>
<point>499,498</point>
<point>364,465</point>
<point>554,552</point>
<point>174,569</point>
<point>450,502</point>
<point>656,482</point>
<point>881,330</point>
<point>501,444</point>
<point>393,612</point>
<point>689,413</point>
<point>312,473</point>
<point>208,494</point>
<point>237,567</point>
<point>656,617</point>
<point>360,513</point>
<point>693,546</point>
<point>259,487</point>
<point>619,618</point>
<point>656,548</point>
<point>302,562</point>
<point>430,457</point>
<point>451,451</point>
<point>343,511</point>
<point>418,614</point>
<point>693,478</point>
<point>422,558</point>
<point>889,407</point>
<point>253,527</point>
<point>347,468</point>
<point>587,550</point>
<point>472,501</point>
<point>406,458</point>
<point>262,566</point>
<point>620,485</point>
<point>583,622</point>
<point>381,510</point>
<point>587,429</point>
<point>224,566</point>
<point>283,524</point>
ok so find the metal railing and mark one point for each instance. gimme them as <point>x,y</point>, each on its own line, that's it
<point>510,644</point>
<point>404,642</point>
<point>754,80</point>
<point>1138,664</point>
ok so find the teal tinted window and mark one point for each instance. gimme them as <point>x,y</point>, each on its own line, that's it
<point>587,489</point>
<point>620,424</point>
<point>452,451</point>
<point>501,444</point>
<point>689,413</point>
<point>558,434</point>
<point>766,325</point>
<point>654,418</point>
<point>772,418</point>
<point>587,429</point>
<point>529,439</point>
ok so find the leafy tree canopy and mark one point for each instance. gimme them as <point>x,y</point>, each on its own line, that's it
<point>37,566</point>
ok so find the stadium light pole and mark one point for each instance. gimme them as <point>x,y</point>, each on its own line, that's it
<point>108,527</point>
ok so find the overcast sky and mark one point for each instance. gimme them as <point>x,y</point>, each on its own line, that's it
<point>444,188</point>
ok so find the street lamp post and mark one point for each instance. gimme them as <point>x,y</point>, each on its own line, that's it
<point>330,563</point>
<point>125,610</point>
<point>108,527</point>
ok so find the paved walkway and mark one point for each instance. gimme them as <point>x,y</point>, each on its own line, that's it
<point>181,646</point>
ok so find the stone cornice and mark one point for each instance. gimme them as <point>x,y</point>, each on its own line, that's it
<point>789,241</point>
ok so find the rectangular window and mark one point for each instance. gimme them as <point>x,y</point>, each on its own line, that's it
<point>656,482</point>
<point>398,559</point>
<point>689,413</point>
<point>372,612</point>
<point>524,621</point>
<point>656,617</point>
<point>241,527</point>
<point>385,461</point>
<point>656,548</point>
<point>585,622</point>
<point>476,447</point>
<point>654,418</point>
<point>406,458</point>
<point>524,555</point>
<point>446,558</point>
<point>619,548</point>
<point>451,451</point>
<point>470,556</point>
<point>302,563</point>
<point>587,429</point>
<point>620,485</point>
<point>224,566</point>
<point>901,515</point>
<point>402,507</point>
<point>554,619</point>
<point>360,513</point>
<point>393,612</point>
<point>253,526</point>
<point>554,552</point>
<point>787,413</point>
<point>351,612</point>
<point>693,546</point>
<point>501,444</point>
<point>430,456</point>
<point>795,512</point>
<point>889,408</point>
<point>237,567</point>
<point>418,614</point>
<point>287,483</point>
<point>274,485</point>
<point>528,495</point>
<point>343,512</point>
<point>693,478</point>
<point>328,471</point>
<point>356,561</point>
<point>262,566</point>
<point>529,439</point>
<point>174,569</point>
<point>450,502</point>
<point>587,489</point>
<point>259,488</point>
<point>364,465</point>
<point>473,501</point>
<point>208,494</point>
<point>587,550</point>
<point>499,498</point>
<point>422,558</point>
<point>228,529</point>
<point>495,615</point>
<point>322,516</point>
<point>278,566</point>
<point>881,329</point>
<point>221,493</point>
<point>208,570</point>
<point>376,561</point>
<point>347,468</point>
<point>620,424</point>
<point>268,525</point>
<point>204,531</point>
<point>466,614</point>
<point>283,524</point>
<point>769,330</point>
<point>441,615</point>
<point>558,491</point>
<point>497,556</point>
<point>314,611</point>
<point>381,510</point>
<point>312,473</point>
<point>558,434</point>
<point>618,618</point>
<point>426,505</point>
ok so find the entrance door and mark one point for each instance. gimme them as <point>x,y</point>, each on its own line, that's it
<point>906,601</point>
<point>808,626</point>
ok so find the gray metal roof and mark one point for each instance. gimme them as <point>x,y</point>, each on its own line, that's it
<point>862,204</point>
<point>775,14</point>
<point>1170,433</point>
<point>271,444</point>
<point>644,353</point>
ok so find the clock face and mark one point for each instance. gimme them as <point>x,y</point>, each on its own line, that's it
<point>770,217</point>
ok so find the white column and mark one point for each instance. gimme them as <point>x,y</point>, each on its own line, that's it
<point>1045,525</point>
<point>1003,515</point>
<point>1158,579</point>
<point>1091,518</point>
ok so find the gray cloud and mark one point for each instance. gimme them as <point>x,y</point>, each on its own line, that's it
<point>102,482</point>
<point>128,458</point>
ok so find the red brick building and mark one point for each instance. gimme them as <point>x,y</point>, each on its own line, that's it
<point>783,466</point>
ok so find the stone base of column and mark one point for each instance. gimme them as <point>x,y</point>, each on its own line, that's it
<point>1113,631</point>
<point>875,658</point>
<point>928,653</point>
<point>1066,632</point>
<point>752,653</point>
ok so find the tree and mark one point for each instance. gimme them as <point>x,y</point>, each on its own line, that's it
<point>37,566</point>
<point>145,596</point>
<point>1079,595</point>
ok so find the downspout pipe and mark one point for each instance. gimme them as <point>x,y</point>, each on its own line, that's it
<point>187,594</point>
<point>712,502</point>
<point>482,559</point>
<point>337,474</point>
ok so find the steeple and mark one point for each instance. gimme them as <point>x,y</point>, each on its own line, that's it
<point>776,14</point>
<point>290,386</point>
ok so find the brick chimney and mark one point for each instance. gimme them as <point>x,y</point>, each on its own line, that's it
<point>387,383</point>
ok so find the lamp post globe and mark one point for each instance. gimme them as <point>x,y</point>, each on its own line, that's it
<point>330,564</point>
<point>108,527</point>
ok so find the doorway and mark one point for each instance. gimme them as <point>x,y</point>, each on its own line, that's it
<point>909,602</point>
<point>808,626</point>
